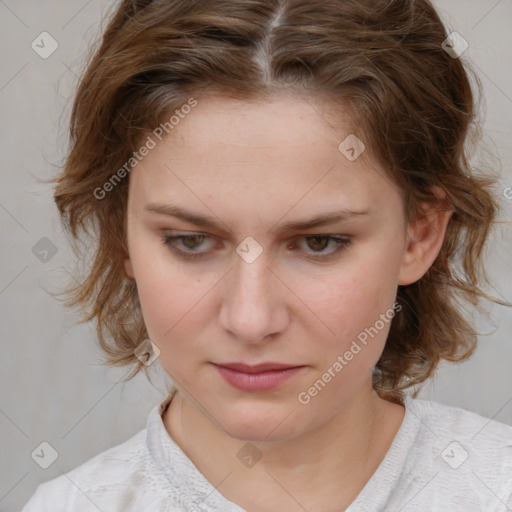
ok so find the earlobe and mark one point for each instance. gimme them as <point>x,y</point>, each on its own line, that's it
<point>425,239</point>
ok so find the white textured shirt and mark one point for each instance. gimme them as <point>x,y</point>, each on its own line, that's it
<point>442,459</point>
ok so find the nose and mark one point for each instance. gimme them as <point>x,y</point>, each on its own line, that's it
<point>253,309</point>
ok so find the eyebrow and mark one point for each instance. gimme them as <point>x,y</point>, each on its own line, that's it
<point>211,222</point>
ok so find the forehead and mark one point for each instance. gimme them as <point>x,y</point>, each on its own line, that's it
<point>278,123</point>
<point>283,149</point>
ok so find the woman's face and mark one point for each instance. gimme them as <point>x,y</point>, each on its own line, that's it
<point>245,286</point>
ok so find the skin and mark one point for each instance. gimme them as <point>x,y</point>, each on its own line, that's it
<point>253,166</point>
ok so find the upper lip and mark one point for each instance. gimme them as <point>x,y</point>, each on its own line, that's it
<point>257,368</point>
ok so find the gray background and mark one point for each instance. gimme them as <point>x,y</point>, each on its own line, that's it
<point>53,387</point>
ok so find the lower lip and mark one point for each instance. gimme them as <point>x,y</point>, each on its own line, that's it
<point>257,382</point>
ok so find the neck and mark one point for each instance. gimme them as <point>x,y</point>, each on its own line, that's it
<point>359,435</point>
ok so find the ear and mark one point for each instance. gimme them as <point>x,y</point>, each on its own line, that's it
<point>425,238</point>
<point>128,268</point>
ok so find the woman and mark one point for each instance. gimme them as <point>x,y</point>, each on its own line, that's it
<point>282,196</point>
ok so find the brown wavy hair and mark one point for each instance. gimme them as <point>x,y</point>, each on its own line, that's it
<point>413,104</point>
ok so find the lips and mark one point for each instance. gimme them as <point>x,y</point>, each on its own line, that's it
<point>257,368</point>
<point>257,378</point>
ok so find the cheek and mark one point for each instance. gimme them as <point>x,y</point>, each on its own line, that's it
<point>176,304</point>
<point>172,310</point>
<point>165,294</point>
<point>352,300</point>
<point>167,303</point>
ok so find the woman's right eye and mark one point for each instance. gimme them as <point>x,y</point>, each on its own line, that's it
<point>189,253</point>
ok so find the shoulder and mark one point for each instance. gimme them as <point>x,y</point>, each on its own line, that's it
<point>452,421</point>
<point>99,476</point>
<point>465,454</point>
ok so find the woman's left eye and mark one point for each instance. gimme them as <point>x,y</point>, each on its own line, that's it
<point>321,241</point>
<point>192,241</point>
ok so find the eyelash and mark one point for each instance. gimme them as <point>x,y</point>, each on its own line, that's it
<point>169,241</point>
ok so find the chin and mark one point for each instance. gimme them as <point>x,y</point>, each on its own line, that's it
<point>263,434</point>
<point>261,424</point>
